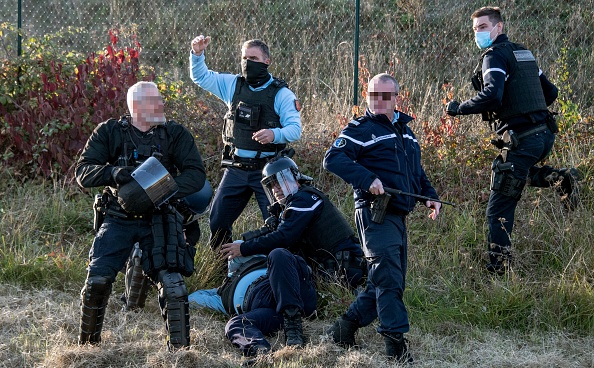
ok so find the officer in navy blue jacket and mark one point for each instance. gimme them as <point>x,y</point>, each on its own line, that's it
<point>374,151</point>
<point>513,93</point>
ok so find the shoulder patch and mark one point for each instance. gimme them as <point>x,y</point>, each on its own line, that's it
<point>297,105</point>
<point>339,143</point>
<point>523,55</point>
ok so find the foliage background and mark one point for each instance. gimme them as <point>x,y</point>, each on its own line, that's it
<point>540,315</point>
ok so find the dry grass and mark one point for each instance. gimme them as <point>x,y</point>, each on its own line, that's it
<point>39,329</point>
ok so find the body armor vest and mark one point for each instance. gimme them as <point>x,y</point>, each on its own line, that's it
<point>249,112</point>
<point>327,230</point>
<point>136,149</point>
<point>227,290</point>
<point>522,93</point>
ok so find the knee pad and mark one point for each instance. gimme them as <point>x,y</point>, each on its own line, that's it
<point>172,286</point>
<point>96,291</point>
<point>504,181</point>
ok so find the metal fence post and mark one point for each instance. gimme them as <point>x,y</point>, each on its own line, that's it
<point>19,28</point>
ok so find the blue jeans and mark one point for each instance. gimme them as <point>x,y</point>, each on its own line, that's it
<point>232,195</point>
<point>385,247</point>
<point>501,208</point>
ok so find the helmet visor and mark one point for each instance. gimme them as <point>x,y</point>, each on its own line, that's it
<point>280,185</point>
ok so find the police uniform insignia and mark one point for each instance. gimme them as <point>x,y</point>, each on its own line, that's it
<point>314,197</point>
<point>297,105</point>
<point>339,143</point>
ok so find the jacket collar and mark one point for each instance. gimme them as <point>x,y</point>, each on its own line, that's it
<point>381,118</point>
<point>501,38</point>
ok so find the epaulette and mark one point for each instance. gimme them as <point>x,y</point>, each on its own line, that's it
<point>279,83</point>
<point>358,121</point>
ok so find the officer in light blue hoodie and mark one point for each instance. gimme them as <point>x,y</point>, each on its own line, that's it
<point>262,117</point>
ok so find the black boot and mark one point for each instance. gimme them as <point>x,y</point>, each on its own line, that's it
<point>569,189</point>
<point>293,327</point>
<point>257,354</point>
<point>396,348</point>
<point>500,259</point>
<point>343,332</point>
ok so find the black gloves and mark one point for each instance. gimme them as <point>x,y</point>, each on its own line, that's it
<point>120,175</point>
<point>453,108</point>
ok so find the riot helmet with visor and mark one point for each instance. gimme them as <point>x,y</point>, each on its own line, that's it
<point>281,179</point>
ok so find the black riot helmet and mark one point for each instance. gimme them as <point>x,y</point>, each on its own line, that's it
<point>282,175</point>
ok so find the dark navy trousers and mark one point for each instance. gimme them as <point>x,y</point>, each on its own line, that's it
<point>385,247</point>
<point>288,283</point>
<point>231,197</point>
<point>501,208</point>
<point>114,242</point>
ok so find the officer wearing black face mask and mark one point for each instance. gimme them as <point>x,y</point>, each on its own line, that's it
<point>263,116</point>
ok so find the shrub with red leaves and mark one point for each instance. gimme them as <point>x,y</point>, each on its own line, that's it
<point>51,103</point>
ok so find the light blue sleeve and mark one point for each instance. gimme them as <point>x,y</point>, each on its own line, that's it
<point>290,119</point>
<point>219,84</point>
<point>206,298</point>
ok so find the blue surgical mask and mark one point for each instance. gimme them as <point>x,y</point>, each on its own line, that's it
<point>483,39</point>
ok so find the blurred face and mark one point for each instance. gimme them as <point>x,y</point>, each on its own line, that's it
<point>150,108</point>
<point>381,97</point>
<point>254,54</point>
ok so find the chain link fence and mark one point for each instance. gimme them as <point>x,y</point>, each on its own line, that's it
<point>423,43</point>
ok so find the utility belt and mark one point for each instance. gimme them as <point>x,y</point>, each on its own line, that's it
<point>510,139</point>
<point>249,164</point>
<point>248,293</point>
<point>107,205</point>
<point>114,209</point>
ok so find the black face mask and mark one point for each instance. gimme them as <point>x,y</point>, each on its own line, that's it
<point>255,73</point>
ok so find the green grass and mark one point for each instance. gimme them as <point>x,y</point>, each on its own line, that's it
<point>45,237</point>
<point>45,227</point>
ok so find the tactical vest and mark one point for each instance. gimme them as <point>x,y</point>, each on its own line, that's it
<point>327,230</point>
<point>522,93</point>
<point>227,290</point>
<point>136,149</point>
<point>249,112</point>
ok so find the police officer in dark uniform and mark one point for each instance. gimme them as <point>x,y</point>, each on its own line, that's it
<point>513,94</point>
<point>373,151</point>
<point>263,117</point>
<point>310,225</point>
<point>135,209</point>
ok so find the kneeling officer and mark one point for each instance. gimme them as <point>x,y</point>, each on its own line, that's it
<point>308,225</point>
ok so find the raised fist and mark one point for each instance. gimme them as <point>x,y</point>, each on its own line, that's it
<point>199,44</point>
